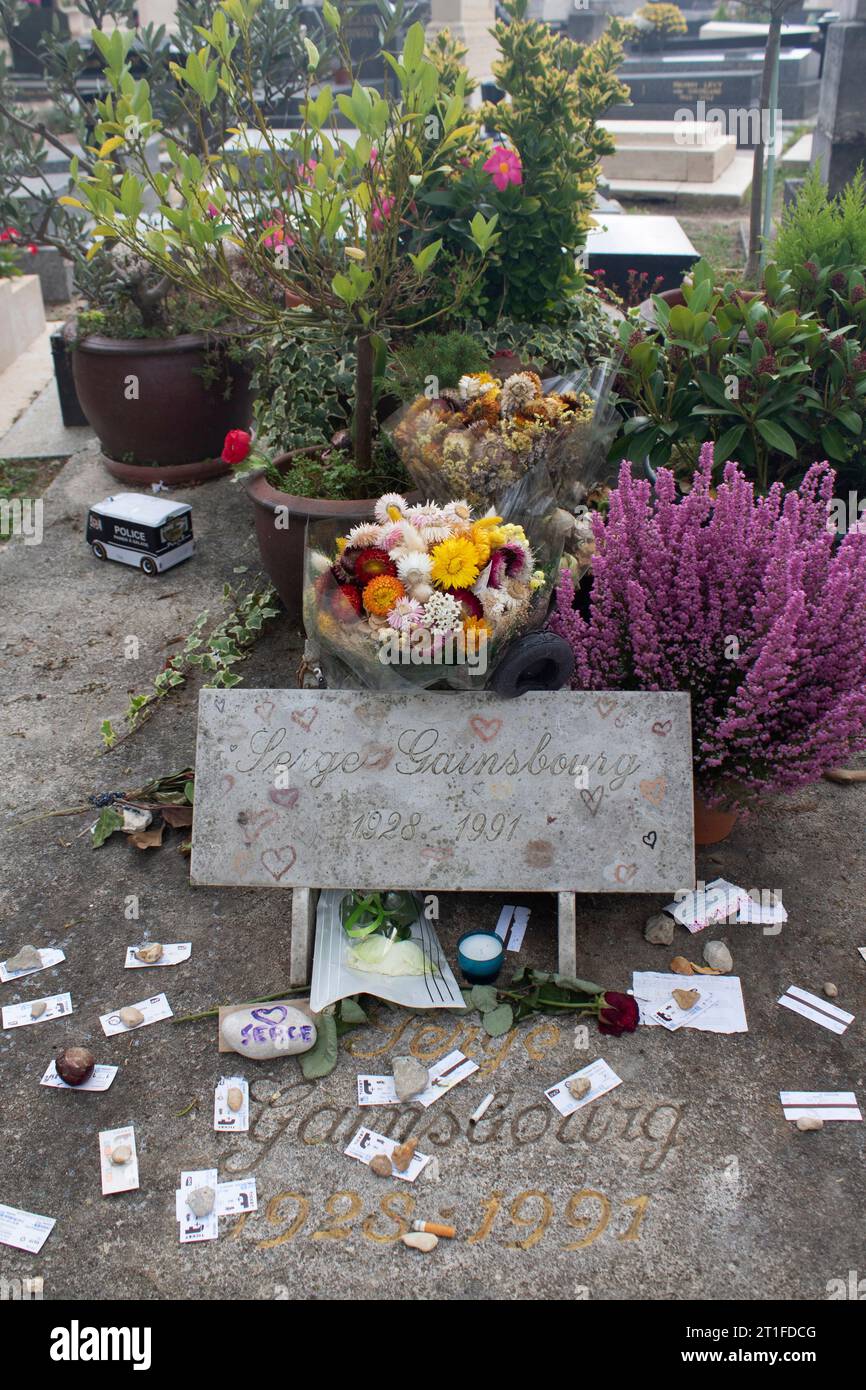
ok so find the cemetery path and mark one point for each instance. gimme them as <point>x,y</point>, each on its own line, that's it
<point>686,1181</point>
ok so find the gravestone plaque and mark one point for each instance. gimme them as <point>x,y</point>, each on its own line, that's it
<point>356,789</point>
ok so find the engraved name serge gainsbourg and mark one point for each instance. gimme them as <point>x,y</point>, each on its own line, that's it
<point>420,751</point>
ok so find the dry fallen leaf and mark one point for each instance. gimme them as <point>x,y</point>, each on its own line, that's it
<point>147,839</point>
<point>705,970</point>
<point>686,998</point>
<point>177,815</point>
<point>681,966</point>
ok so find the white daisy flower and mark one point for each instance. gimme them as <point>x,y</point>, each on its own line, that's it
<point>382,509</point>
<point>414,566</point>
<point>364,535</point>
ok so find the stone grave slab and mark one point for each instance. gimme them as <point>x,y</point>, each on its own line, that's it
<point>652,244</point>
<point>553,792</point>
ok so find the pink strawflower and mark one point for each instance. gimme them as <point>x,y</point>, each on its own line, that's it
<point>748,603</point>
<point>382,210</point>
<point>504,167</point>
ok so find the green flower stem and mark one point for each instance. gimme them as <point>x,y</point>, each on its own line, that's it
<point>549,1003</point>
<point>263,999</point>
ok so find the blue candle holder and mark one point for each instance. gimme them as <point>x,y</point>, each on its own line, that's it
<point>481,965</point>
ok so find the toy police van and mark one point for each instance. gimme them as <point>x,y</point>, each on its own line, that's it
<point>142,531</point>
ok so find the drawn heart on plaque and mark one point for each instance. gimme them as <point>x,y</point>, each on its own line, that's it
<point>650,838</point>
<point>278,861</point>
<point>264,709</point>
<point>287,797</point>
<point>624,873</point>
<point>227,781</point>
<point>486,729</point>
<point>220,703</point>
<point>653,790</point>
<point>254,822</point>
<point>305,717</point>
<point>604,705</point>
<point>662,727</point>
<point>592,799</point>
<point>233,747</point>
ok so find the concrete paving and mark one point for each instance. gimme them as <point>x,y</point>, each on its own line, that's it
<point>39,432</point>
<point>684,1182</point>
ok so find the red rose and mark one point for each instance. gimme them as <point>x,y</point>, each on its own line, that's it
<point>618,1014</point>
<point>236,446</point>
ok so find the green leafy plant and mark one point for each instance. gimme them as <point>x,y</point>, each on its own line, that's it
<point>319,219</point>
<point>772,387</point>
<point>555,92</point>
<point>215,653</point>
<point>437,358</point>
<point>130,299</point>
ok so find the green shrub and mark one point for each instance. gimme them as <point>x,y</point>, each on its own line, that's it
<point>773,388</point>
<point>443,358</point>
<point>830,232</point>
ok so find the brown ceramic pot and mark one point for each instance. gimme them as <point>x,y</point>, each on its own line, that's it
<point>176,418</point>
<point>712,824</point>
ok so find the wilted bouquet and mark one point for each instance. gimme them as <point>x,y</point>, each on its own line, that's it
<point>483,436</point>
<point>421,586</point>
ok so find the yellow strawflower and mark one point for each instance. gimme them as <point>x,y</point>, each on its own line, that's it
<point>455,563</point>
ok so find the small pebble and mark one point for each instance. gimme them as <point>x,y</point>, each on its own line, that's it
<point>717,955</point>
<point>122,1154</point>
<point>25,958</point>
<point>809,1122</point>
<point>659,929</point>
<point>430,1171</point>
<point>131,1017</point>
<point>200,1201</point>
<point>74,1065</point>
<point>420,1240</point>
<point>410,1077</point>
<point>830,990</point>
<point>133,819</point>
<point>149,954</point>
<point>402,1155</point>
<point>686,998</point>
<point>382,1166</point>
<point>579,1086</point>
<point>235,1098</point>
<point>38,1009</point>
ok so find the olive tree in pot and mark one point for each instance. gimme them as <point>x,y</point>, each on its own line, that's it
<point>321,220</point>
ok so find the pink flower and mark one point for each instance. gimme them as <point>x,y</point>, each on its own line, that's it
<point>674,581</point>
<point>278,236</point>
<point>504,167</point>
<point>382,210</point>
<point>212,210</point>
<point>307,171</point>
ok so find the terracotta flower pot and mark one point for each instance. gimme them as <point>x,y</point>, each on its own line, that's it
<point>176,417</point>
<point>712,824</point>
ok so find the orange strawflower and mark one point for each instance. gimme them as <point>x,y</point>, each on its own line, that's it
<point>381,594</point>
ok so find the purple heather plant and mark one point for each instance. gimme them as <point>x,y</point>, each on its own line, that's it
<point>676,581</point>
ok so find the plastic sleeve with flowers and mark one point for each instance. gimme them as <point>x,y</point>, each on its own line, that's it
<point>423,595</point>
<point>577,456</point>
<point>481,439</point>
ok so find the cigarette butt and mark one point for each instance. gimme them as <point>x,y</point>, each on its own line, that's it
<point>433,1228</point>
<point>482,1109</point>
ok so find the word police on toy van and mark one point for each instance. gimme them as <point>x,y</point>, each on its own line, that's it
<point>139,530</point>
